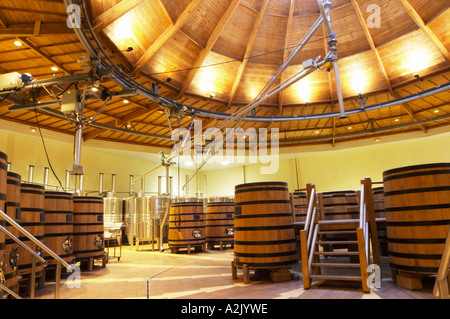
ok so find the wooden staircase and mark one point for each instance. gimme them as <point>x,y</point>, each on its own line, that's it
<point>358,235</point>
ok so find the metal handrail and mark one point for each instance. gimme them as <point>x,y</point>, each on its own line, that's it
<point>310,209</point>
<point>361,208</point>
<point>12,293</point>
<point>17,240</point>
<point>34,239</point>
<point>58,259</point>
<point>441,287</point>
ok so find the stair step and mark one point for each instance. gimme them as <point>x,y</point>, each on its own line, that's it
<point>335,277</point>
<point>337,253</point>
<point>331,232</point>
<point>335,242</point>
<point>352,265</point>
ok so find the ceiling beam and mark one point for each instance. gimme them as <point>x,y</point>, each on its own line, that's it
<point>209,45</point>
<point>48,12</point>
<point>44,55</point>
<point>285,52</point>
<point>167,34</point>
<point>127,118</point>
<point>115,12</point>
<point>28,29</point>
<point>425,28</point>
<point>248,50</point>
<point>380,63</point>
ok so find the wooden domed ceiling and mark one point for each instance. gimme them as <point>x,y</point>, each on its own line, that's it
<point>217,55</point>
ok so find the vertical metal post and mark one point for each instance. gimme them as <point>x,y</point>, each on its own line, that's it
<point>167,179</point>
<point>113,184</point>
<point>131,185</point>
<point>78,141</point>
<point>33,278</point>
<point>30,173</point>
<point>100,182</point>
<point>81,184</point>
<point>159,185</point>
<point>46,169</point>
<point>57,279</point>
<point>67,179</point>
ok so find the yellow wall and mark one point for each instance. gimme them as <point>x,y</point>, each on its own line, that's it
<point>345,168</point>
<point>336,168</point>
<point>24,150</point>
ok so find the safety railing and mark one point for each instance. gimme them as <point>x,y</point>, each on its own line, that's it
<point>163,222</point>
<point>367,221</point>
<point>308,235</point>
<point>363,224</point>
<point>441,287</point>
<point>47,250</point>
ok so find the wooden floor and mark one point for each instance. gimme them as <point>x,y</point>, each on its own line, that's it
<point>207,275</point>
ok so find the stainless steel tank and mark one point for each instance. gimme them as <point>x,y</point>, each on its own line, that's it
<point>219,199</point>
<point>112,216</point>
<point>143,216</point>
<point>112,210</point>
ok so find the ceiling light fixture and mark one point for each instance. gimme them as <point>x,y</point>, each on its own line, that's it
<point>54,68</point>
<point>17,43</point>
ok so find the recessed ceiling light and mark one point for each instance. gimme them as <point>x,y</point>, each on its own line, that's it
<point>32,130</point>
<point>396,120</point>
<point>54,68</point>
<point>317,132</point>
<point>350,127</point>
<point>436,111</point>
<point>125,101</point>
<point>17,43</point>
<point>94,89</point>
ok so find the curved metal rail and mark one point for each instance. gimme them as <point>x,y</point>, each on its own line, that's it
<point>127,82</point>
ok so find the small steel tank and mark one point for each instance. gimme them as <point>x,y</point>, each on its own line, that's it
<point>143,216</point>
<point>113,210</point>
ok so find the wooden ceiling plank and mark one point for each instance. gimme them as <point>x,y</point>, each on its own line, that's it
<point>167,34</point>
<point>115,12</point>
<point>425,28</point>
<point>248,50</point>
<point>33,11</point>
<point>380,63</point>
<point>44,55</point>
<point>209,45</point>
<point>136,113</point>
<point>27,30</point>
